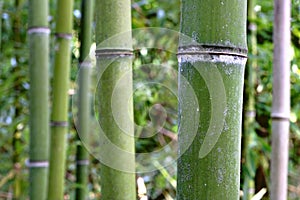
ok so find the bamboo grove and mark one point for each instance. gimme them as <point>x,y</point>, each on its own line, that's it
<point>219,69</point>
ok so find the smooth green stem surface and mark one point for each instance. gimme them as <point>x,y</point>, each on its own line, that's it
<point>16,142</point>
<point>1,7</point>
<point>115,108</point>
<point>39,99</point>
<point>211,64</point>
<point>281,100</point>
<point>82,155</point>
<point>118,128</point>
<point>59,115</point>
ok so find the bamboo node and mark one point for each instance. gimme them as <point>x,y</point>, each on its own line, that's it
<point>280,116</point>
<point>82,162</point>
<point>86,64</point>
<point>211,50</point>
<point>67,36</point>
<point>252,27</point>
<point>36,164</point>
<point>250,113</point>
<point>113,53</point>
<point>59,124</point>
<point>40,29</point>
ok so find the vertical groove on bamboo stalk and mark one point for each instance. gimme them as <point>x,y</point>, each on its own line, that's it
<point>82,156</point>
<point>39,98</point>
<point>281,100</point>
<point>59,115</point>
<point>114,17</point>
<point>212,61</point>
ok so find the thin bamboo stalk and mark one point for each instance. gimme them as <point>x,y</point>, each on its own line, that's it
<point>211,65</point>
<point>114,17</point>
<point>59,115</point>
<point>1,7</point>
<point>249,103</point>
<point>39,108</point>
<point>16,142</point>
<point>82,156</point>
<point>281,100</point>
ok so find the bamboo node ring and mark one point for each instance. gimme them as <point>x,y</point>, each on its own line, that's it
<point>59,124</point>
<point>113,53</point>
<point>41,29</point>
<point>67,36</point>
<point>36,164</point>
<point>82,162</point>
<point>280,116</point>
<point>211,50</point>
<point>250,113</point>
<point>86,64</point>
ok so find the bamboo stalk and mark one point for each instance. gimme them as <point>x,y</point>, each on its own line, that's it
<point>114,17</point>
<point>281,100</point>
<point>249,103</point>
<point>211,65</point>
<point>82,155</point>
<point>59,115</point>
<point>16,142</point>
<point>1,9</point>
<point>39,109</point>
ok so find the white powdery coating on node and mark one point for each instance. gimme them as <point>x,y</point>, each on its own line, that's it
<point>39,30</point>
<point>227,59</point>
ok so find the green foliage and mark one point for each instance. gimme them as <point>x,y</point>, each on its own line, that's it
<point>155,13</point>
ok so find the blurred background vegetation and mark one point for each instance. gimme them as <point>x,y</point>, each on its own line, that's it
<point>150,100</point>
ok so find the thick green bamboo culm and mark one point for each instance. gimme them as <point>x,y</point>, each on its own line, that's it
<point>211,66</point>
<point>82,156</point>
<point>114,17</point>
<point>60,99</point>
<point>249,104</point>
<point>281,100</point>
<point>39,98</point>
